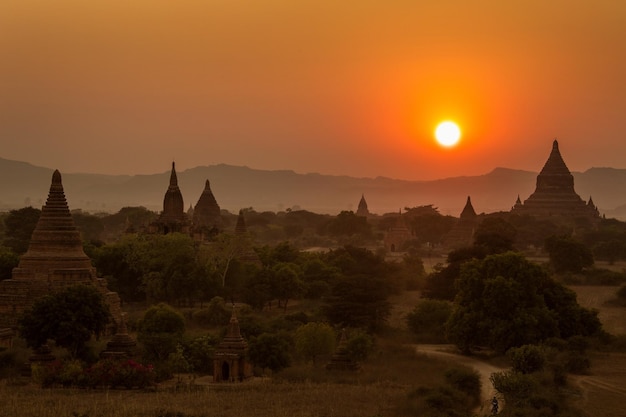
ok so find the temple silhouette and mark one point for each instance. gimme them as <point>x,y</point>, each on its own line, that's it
<point>554,195</point>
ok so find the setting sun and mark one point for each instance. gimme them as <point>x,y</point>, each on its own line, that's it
<point>447,134</point>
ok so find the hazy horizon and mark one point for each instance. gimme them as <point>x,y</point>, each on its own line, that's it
<point>338,88</point>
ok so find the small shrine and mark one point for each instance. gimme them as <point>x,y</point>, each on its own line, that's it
<point>122,345</point>
<point>397,235</point>
<point>230,362</point>
<point>462,233</point>
<point>341,360</point>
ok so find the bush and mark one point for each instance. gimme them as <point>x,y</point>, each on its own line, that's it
<point>515,387</point>
<point>427,320</point>
<point>359,345</point>
<point>527,359</point>
<point>465,380</point>
<point>217,313</point>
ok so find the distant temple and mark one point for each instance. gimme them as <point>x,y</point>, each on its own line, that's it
<point>397,235</point>
<point>230,361</point>
<point>173,217</point>
<point>206,215</point>
<point>462,234</point>
<point>362,209</point>
<point>55,260</point>
<point>554,194</point>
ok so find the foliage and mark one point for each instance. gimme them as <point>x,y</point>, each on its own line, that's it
<point>103,374</point>
<point>313,340</point>
<point>427,320</point>
<point>216,313</point>
<point>199,353</point>
<point>159,331</point>
<point>359,345</point>
<point>359,301</point>
<point>506,301</point>
<point>359,296</point>
<point>8,261</point>
<point>568,255</point>
<point>527,359</point>
<point>69,317</point>
<point>270,351</point>
<point>19,226</point>
<point>347,224</point>
<point>495,234</point>
<point>456,397</point>
<point>440,283</point>
<point>517,388</point>
<point>466,380</point>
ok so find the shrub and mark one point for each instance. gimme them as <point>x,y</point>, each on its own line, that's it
<point>527,358</point>
<point>217,313</point>
<point>359,345</point>
<point>427,320</point>
<point>465,380</point>
<point>515,387</point>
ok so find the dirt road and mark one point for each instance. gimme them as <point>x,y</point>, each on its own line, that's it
<point>449,353</point>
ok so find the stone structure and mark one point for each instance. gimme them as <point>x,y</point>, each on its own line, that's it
<point>230,361</point>
<point>55,260</point>
<point>362,210</point>
<point>462,234</point>
<point>397,235</point>
<point>206,215</point>
<point>341,361</point>
<point>122,345</point>
<point>173,217</point>
<point>245,251</point>
<point>554,194</point>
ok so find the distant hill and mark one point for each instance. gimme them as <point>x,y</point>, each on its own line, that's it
<point>236,187</point>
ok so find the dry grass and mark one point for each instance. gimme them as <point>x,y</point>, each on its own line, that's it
<point>613,317</point>
<point>258,399</point>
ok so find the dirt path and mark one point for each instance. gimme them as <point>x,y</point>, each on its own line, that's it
<point>484,369</point>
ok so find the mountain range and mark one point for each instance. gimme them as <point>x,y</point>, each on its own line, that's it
<point>236,187</point>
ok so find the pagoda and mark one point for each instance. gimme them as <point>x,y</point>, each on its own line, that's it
<point>207,212</point>
<point>362,210</point>
<point>173,217</point>
<point>55,260</point>
<point>554,193</point>
<point>230,361</point>
<point>462,234</point>
<point>397,235</point>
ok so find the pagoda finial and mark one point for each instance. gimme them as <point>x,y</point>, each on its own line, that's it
<point>555,144</point>
<point>173,177</point>
<point>56,177</point>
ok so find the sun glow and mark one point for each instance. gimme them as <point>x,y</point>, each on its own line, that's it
<point>447,134</point>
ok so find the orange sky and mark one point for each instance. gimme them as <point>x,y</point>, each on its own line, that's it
<point>350,87</point>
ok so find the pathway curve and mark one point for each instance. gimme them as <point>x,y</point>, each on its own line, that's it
<point>484,369</point>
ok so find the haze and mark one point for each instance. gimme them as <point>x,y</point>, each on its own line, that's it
<point>350,87</point>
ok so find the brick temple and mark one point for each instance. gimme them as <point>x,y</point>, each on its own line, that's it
<point>554,194</point>
<point>55,260</point>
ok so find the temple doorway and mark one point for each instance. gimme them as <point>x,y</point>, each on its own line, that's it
<point>225,371</point>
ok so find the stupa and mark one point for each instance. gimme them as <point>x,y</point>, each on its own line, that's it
<point>462,234</point>
<point>362,210</point>
<point>397,235</point>
<point>173,217</point>
<point>554,194</point>
<point>206,213</point>
<point>55,260</point>
<point>230,361</point>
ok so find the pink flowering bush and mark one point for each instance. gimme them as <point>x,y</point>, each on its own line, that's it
<point>105,373</point>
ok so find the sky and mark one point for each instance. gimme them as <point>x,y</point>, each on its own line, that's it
<point>351,87</point>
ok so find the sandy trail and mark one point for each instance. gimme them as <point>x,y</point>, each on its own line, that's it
<point>449,352</point>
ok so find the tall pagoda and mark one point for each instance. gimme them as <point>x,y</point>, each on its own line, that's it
<point>554,193</point>
<point>462,234</point>
<point>55,260</point>
<point>173,217</point>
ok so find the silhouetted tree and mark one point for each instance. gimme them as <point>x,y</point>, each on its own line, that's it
<point>568,255</point>
<point>19,226</point>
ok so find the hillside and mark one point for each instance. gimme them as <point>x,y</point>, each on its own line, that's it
<point>235,187</point>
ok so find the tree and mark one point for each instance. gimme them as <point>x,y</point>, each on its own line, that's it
<point>495,234</point>
<point>347,224</point>
<point>285,283</point>
<point>19,227</point>
<point>314,340</point>
<point>159,331</point>
<point>568,255</point>
<point>8,261</point>
<point>506,301</point>
<point>359,301</point>
<point>428,319</point>
<point>270,351</point>
<point>70,318</point>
